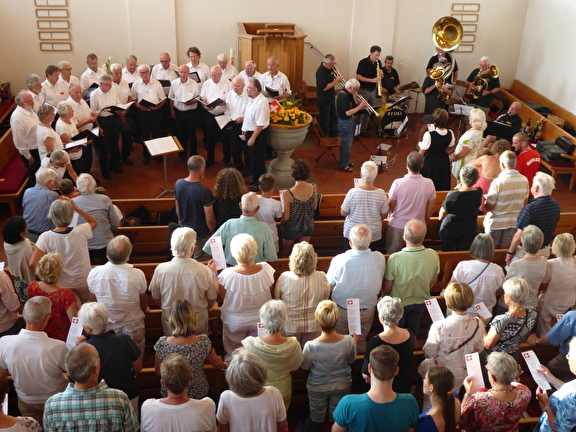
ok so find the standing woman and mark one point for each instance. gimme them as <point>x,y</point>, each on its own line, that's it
<point>299,205</point>
<point>46,137</point>
<point>444,414</point>
<point>435,146</point>
<point>470,142</point>
<point>228,190</point>
<point>346,108</point>
<point>67,129</point>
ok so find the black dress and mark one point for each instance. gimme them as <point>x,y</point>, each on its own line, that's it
<point>436,160</point>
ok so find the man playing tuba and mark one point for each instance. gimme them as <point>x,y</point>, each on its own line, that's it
<point>484,87</point>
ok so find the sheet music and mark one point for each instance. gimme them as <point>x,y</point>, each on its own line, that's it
<point>80,142</point>
<point>482,310</point>
<point>384,147</point>
<point>261,330</point>
<point>74,220</point>
<point>534,364</point>
<point>474,371</point>
<point>463,110</point>
<point>5,404</point>
<point>434,309</point>
<point>162,146</point>
<point>217,252</point>
<point>379,160</point>
<point>353,310</point>
<point>357,182</point>
<point>282,192</point>
<point>74,332</point>
<point>223,120</point>
<point>2,266</point>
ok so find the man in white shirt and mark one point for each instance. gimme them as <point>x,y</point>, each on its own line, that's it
<point>34,86</point>
<point>236,103</point>
<point>228,71</point>
<point>213,89</point>
<point>275,80</point>
<point>122,89</point>
<point>130,72</point>
<point>122,289</point>
<point>183,94</point>
<point>54,90</point>
<point>202,70</point>
<point>92,73</point>
<point>165,71</point>
<point>149,98</point>
<point>85,120</point>
<point>109,122</point>
<point>24,122</point>
<point>255,130</point>
<point>66,74</point>
<point>36,362</point>
<point>250,71</point>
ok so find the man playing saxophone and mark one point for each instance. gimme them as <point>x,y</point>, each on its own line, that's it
<point>485,97</point>
<point>369,77</point>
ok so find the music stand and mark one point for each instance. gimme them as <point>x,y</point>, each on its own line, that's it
<point>162,147</point>
<point>501,130</point>
<point>462,111</point>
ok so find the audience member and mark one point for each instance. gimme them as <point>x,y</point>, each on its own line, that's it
<point>64,307</point>
<point>195,349</point>
<point>121,288</point>
<point>470,142</point>
<point>302,288</point>
<point>270,209</point>
<point>245,288</point>
<point>328,357</point>
<point>35,361</point>
<point>411,273</point>
<point>435,146</point>
<point>177,411</point>
<point>184,278</point>
<point>444,414</point>
<point>528,159</point>
<point>365,204</point>
<point>357,273</point>
<point>7,422</point>
<point>37,200</point>
<point>18,249</point>
<point>9,306</point>
<point>280,354</point>
<point>228,190</point>
<point>106,407</point>
<point>23,122</point>
<point>59,161</point>
<point>119,355</point>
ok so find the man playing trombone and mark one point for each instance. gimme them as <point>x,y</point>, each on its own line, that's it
<point>326,80</point>
<point>369,73</point>
<point>347,109</point>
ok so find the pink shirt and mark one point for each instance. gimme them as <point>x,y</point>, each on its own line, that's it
<point>411,193</point>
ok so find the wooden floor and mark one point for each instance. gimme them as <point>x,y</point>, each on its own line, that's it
<point>144,181</point>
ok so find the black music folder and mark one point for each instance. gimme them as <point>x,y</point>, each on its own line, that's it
<point>212,104</point>
<point>273,93</point>
<point>194,75</point>
<point>164,83</point>
<point>499,130</point>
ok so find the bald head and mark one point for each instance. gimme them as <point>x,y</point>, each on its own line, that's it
<point>184,72</point>
<point>238,85</point>
<point>414,233</point>
<point>514,108</point>
<point>165,60</point>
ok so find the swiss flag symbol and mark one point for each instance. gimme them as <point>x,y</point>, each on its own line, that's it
<point>468,358</point>
<point>428,302</point>
<point>477,307</point>
<point>212,240</point>
<point>526,355</point>
<point>350,302</point>
<point>275,106</point>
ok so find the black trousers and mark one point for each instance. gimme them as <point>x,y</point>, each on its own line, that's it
<point>257,153</point>
<point>32,167</point>
<point>150,126</point>
<point>234,143</point>
<point>186,122</point>
<point>213,134</point>
<point>328,119</point>
<point>108,143</point>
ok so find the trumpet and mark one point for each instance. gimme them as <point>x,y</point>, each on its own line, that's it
<point>369,107</point>
<point>481,81</point>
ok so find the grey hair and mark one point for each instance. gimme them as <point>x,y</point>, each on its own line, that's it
<point>275,59</point>
<point>410,234</point>
<point>482,247</point>
<point>508,159</point>
<point>369,171</point>
<point>81,361</point>
<point>196,163</point>
<point>44,111</point>
<point>517,288</point>
<point>118,249</point>
<point>388,58</point>
<point>243,248</point>
<point>250,202</point>
<point>182,242</point>
<point>63,108</point>
<point>469,175</point>
<point>104,78</point>
<point>221,57</point>
<point>63,64</point>
<point>142,67</point>
<point>502,366</point>
<point>19,98</point>
<point>32,79</point>
<point>59,156</point>
<point>360,236</point>
<point>246,374</point>
<point>94,315</point>
<point>131,57</point>
<point>390,310</point>
<point>532,238</point>
<point>37,309</point>
<point>563,245</point>
<point>86,184</point>
<point>545,183</point>
<point>115,66</point>
<point>415,161</point>
<point>352,83</point>
<point>61,213</point>
<point>273,315</point>
<point>486,59</point>
<point>251,61</point>
<point>44,175</point>
<point>328,58</point>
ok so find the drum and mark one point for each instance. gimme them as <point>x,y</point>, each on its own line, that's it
<point>393,122</point>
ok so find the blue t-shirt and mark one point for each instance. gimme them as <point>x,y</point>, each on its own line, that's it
<point>192,197</point>
<point>360,413</point>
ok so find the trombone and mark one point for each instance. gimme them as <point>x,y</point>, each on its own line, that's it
<point>369,107</point>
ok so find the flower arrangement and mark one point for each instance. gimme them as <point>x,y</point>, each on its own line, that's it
<point>106,66</point>
<point>290,114</point>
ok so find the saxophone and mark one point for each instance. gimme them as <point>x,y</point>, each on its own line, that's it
<point>379,83</point>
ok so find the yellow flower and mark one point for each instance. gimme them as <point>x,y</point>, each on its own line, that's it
<point>295,122</point>
<point>297,111</point>
<point>286,118</point>
<point>288,103</point>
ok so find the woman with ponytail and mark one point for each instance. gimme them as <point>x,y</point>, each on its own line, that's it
<point>444,414</point>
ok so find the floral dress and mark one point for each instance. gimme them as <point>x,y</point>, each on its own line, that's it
<point>482,412</point>
<point>195,353</point>
<point>59,323</point>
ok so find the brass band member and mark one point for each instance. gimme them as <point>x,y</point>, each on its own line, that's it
<point>326,80</point>
<point>443,58</point>
<point>347,108</point>
<point>367,74</point>
<point>493,84</point>
<point>390,78</point>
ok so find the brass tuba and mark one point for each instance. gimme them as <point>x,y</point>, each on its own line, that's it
<point>481,80</point>
<point>447,36</point>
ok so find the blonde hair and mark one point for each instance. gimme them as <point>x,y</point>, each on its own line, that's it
<point>478,119</point>
<point>49,268</point>
<point>182,318</point>
<point>244,248</point>
<point>459,296</point>
<point>327,314</point>
<point>563,245</point>
<point>303,259</point>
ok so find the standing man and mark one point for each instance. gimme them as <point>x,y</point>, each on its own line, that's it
<point>202,70</point>
<point>346,110</point>
<point>505,199</point>
<point>109,123</point>
<point>236,103</point>
<point>390,79</point>
<point>527,159</point>
<point>228,71</point>
<point>195,205</point>
<point>88,404</point>
<point>85,120</point>
<point>411,273</point>
<point>367,74</point>
<point>213,89</point>
<point>23,123</point>
<point>275,80</point>
<point>165,71</point>
<point>122,289</point>
<point>443,58</point>
<point>130,72</point>
<point>122,89</point>
<point>149,98</point>
<point>53,89</point>
<point>543,211</point>
<point>357,273</point>
<point>255,131</point>
<point>37,201</point>
<point>66,76</point>
<point>183,95</point>
<point>92,73</point>
<point>34,87</point>
<point>325,83</point>
<point>35,361</point>
<point>250,71</point>
<point>410,197</point>
<point>491,89</point>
